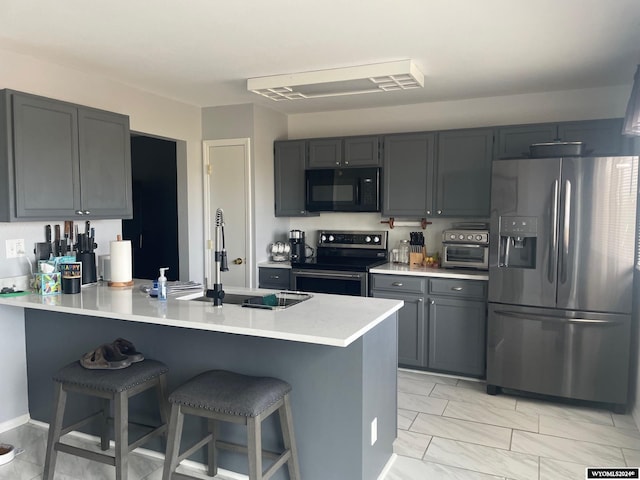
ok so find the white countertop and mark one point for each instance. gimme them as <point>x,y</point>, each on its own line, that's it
<point>399,269</point>
<point>272,264</point>
<point>335,320</point>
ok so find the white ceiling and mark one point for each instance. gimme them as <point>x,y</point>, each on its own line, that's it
<point>202,51</point>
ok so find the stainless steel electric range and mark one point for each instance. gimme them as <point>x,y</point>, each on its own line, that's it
<point>342,262</point>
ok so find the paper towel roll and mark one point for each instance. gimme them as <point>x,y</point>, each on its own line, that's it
<point>120,252</point>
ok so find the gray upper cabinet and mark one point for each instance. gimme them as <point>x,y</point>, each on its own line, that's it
<point>514,142</point>
<point>63,160</point>
<point>601,137</point>
<point>408,167</point>
<point>343,152</point>
<point>463,173</point>
<point>362,151</point>
<point>289,162</point>
<point>105,164</point>
<point>325,153</point>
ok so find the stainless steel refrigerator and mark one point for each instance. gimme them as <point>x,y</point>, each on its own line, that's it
<point>563,236</point>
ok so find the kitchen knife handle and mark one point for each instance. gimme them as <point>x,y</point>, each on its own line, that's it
<point>47,233</point>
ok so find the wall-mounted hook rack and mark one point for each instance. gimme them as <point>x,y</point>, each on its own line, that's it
<point>423,222</point>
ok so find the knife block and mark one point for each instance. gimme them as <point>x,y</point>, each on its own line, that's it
<point>416,258</point>
<point>88,260</point>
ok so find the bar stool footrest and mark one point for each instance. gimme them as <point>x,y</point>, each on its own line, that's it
<point>80,423</point>
<point>194,448</point>
<point>84,453</point>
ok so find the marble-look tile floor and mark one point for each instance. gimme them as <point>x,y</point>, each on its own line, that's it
<point>451,429</point>
<point>448,428</point>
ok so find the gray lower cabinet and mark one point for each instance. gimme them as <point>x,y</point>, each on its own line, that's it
<point>62,160</point>
<point>289,164</point>
<point>412,327</point>
<point>457,335</point>
<point>601,137</point>
<point>274,278</point>
<point>442,326</point>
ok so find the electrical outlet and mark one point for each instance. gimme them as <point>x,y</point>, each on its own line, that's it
<point>374,430</point>
<point>15,248</point>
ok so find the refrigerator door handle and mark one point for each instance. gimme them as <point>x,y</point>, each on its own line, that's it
<point>551,267</point>
<point>547,318</point>
<point>566,231</point>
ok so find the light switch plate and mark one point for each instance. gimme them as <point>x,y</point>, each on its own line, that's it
<point>15,247</point>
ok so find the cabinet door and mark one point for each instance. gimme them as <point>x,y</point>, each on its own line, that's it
<point>457,336</point>
<point>463,173</point>
<point>514,142</point>
<point>600,137</point>
<point>408,175</point>
<point>361,152</point>
<point>47,183</point>
<point>411,328</point>
<point>105,164</point>
<point>325,153</point>
<point>289,162</point>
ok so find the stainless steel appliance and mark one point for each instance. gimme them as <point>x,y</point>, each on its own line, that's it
<point>560,276</point>
<point>465,248</point>
<point>343,259</point>
<point>343,190</point>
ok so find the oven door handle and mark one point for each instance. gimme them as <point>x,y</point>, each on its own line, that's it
<point>472,245</point>
<point>326,275</point>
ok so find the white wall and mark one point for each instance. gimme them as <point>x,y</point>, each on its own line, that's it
<point>13,384</point>
<point>149,113</point>
<point>477,112</point>
<point>262,126</point>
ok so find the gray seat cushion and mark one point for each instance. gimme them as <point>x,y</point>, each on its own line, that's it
<point>110,380</point>
<point>227,392</point>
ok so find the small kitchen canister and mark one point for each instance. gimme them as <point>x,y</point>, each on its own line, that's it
<point>403,252</point>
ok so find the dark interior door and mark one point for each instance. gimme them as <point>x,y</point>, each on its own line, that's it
<point>153,231</point>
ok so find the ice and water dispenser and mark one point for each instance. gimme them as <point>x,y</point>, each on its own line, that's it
<point>518,239</point>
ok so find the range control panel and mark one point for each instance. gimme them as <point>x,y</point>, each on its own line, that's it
<point>352,239</point>
<point>475,237</point>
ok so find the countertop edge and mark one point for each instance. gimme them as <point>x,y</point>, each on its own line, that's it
<point>390,269</point>
<point>21,302</point>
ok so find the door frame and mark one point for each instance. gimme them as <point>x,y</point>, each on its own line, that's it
<point>208,242</point>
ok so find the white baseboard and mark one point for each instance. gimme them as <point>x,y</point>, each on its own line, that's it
<point>200,467</point>
<point>387,466</point>
<point>14,422</point>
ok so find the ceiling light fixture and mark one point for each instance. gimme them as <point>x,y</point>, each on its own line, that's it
<point>335,82</point>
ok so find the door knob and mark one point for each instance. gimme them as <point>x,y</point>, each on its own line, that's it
<point>237,261</point>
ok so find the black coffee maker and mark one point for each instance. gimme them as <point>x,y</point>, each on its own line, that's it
<point>296,240</point>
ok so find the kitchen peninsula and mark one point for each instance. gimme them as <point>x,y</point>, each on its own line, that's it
<point>339,353</point>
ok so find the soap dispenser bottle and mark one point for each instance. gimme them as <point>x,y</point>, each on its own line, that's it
<point>162,284</point>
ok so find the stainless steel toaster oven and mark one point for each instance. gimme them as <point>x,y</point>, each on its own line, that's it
<point>465,249</point>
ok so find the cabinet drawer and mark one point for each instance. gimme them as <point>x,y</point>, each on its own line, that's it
<point>274,278</point>
<point>398,283</point>
<point>458,288</point>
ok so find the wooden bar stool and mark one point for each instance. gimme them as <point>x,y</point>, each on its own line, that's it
<point>220,395</point>
<point>110,385</point>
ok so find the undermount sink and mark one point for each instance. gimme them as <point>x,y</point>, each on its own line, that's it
<point>273,301</point>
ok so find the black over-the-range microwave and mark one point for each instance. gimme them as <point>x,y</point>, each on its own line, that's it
<point>343,190</point>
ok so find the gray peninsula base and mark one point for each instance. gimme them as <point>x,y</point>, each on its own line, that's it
<point>337,392</point>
